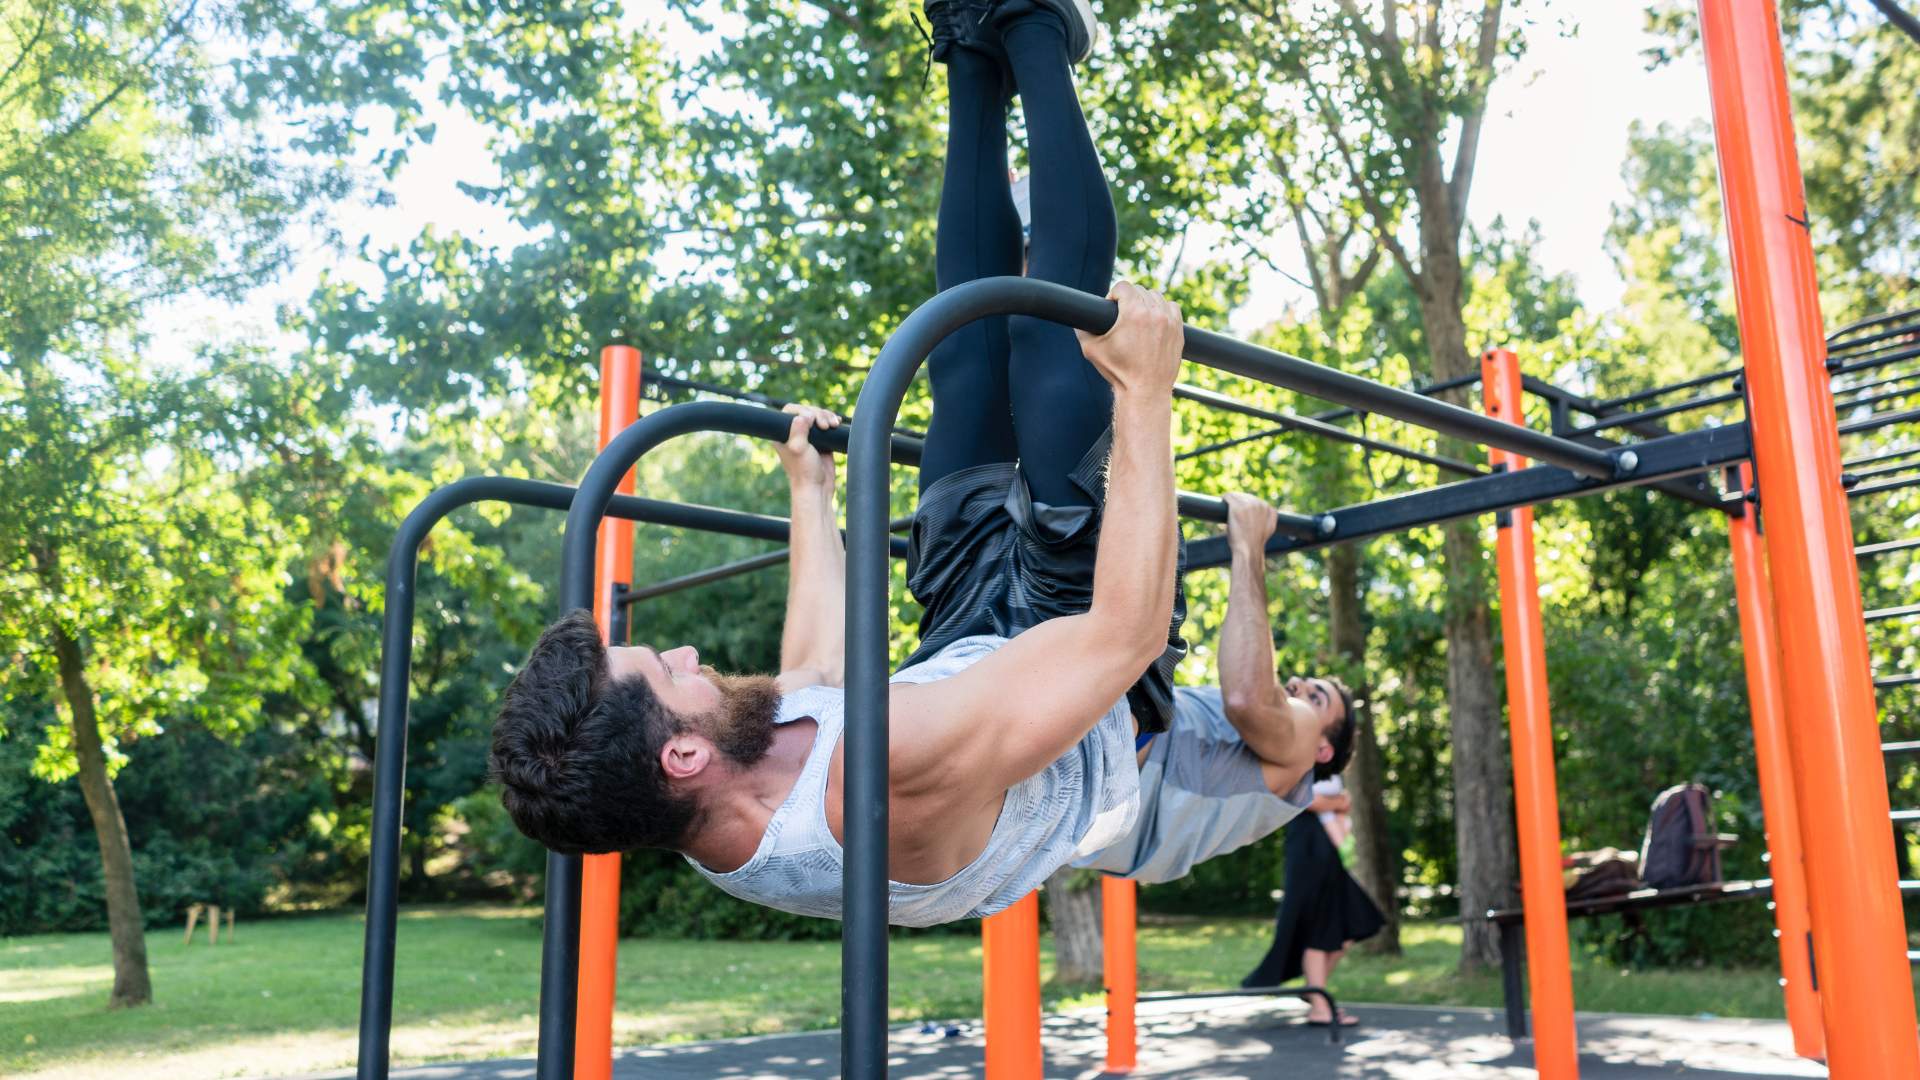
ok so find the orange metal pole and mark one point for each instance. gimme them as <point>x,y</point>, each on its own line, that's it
<point>1866,988</point>
<point>1535,793</point>
<point>1774,764</point>
<point>1010,963</point>
<point>600,874</point>
<point>1119,903</point>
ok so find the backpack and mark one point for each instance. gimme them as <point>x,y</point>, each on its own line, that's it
<point>1607,872</point>
<point>1681,847</point>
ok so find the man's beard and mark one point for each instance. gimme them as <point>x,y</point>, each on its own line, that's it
<point>741,726</point>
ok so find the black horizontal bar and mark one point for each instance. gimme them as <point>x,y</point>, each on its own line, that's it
<point>1228,444</point>
<point>1210,508</point>
<point>1882,614</point>
<point>1214,399</point>
<point>1878,421</point>
<point>1884,486</point>
<point>1896,454</point>
<point>1844,337</point>
<point>1869,550</point>
<point>1662,391</point>
<point>1899,17</point>
<point>1905,376</point>
<point>1425,389</point>
<point>1891,681</point>
<point>1877,358</point>
<point>1900,748</point>
<point>1675,455</point>
<point>650,377</point>
<point>1853,477</point>
<point>1876,399</point>
<point>1628,419</point>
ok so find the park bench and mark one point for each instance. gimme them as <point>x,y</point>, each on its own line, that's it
<point>1513,940</point>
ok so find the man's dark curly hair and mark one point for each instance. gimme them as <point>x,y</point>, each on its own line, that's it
<point>577,753</point>
<point>1342,737</point>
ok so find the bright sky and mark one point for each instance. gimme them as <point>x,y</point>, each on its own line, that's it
<point>1551,151</point>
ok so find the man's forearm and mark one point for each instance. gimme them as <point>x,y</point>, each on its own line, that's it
<point>814,634</point>
<point>1247,678</point>
<point>1137,556</point>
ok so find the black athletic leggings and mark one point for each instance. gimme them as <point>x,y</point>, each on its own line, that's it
<point>1017,388</point>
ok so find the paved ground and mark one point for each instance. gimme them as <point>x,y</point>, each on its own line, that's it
<point>1242,1039</point>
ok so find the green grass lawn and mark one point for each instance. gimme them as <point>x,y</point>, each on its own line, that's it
<point>283,997</point>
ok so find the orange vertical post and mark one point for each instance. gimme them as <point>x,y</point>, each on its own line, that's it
<point>1866,988</point>
<point>1773,762</point>
<point>1119,903</point>
<point>600,874</point>
<point>1010,963</point>
<point>1535,792</point>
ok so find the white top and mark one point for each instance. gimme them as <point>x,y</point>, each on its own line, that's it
<point>1084,801</point>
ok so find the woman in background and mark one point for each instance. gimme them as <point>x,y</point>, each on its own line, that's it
<point>1323,910</point>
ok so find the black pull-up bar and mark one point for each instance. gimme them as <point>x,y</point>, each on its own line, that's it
<point>863,1033</point>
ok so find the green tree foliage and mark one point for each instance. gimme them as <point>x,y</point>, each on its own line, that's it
<point>140,565</point>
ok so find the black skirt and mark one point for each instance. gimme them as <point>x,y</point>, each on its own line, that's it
<point>1323,907</point>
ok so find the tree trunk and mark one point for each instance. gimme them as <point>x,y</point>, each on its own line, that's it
<point>1373,862</point>
<point>1482,781</point>
<point>1073,907</point>
<point>124,922</point>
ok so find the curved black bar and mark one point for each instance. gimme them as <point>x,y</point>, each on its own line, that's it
<point>1057,303</point>
<point>396,662</point>
<point>560,948</point>
<point>863,1046</point>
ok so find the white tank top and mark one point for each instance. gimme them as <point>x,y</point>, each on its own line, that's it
<point>1084,801</point>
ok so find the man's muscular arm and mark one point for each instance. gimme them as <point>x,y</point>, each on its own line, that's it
<point>1282,737</point>
<point>1010,715</point>
<point>813,642</point>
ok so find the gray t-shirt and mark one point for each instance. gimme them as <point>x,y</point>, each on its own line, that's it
<point>1202,794</point>
<point>1082,802</point>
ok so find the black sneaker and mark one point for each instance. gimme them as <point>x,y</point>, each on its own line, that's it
<point>1082,29</point>
<point>965,24</point>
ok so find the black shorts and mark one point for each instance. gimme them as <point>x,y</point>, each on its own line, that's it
<point>985,558</point>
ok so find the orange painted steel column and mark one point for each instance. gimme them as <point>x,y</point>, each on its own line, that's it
<point>1866,989</point>
<point>1010,962</point>
<point>1535,793</point>
<point>1119,903</point>
<point>600,874</point>
<point>1774,764</point>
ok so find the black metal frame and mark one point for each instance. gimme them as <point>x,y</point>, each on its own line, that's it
<point>376,988</point>
<point>1569,468</point>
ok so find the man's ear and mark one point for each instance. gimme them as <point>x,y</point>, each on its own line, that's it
<point>685,757</point>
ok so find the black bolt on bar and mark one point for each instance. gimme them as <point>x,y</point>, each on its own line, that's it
<point>396,661</point>
<point>1296,422</point>
<point>1870,550</point>
<point>1877,358</point>
<point>1884,487</point>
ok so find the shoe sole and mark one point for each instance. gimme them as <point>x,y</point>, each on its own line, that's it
<point>1083,30</point>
